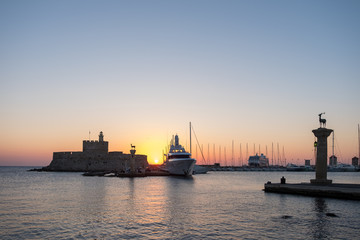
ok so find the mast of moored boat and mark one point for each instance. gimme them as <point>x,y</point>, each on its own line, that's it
<point>333,137</point>
<point>272,154</point>
<point>190,138</point>
<point>232,153</point>
<point>359,139</point>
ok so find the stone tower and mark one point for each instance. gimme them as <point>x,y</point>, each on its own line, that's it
<point>96,147</point>
<point>101,137</point>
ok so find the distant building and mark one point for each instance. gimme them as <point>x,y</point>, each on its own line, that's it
<point>258,161</point>
<point>307,162</point>
<point>95,157</point>
<point>355,161</point>
<point>333,160</point>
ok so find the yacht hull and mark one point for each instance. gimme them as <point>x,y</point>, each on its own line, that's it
<point>181,167</point>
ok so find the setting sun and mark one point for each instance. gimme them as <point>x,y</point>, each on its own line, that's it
<point>156,161</point>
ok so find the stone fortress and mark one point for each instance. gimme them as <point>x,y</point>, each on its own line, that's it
<point>96,157</point>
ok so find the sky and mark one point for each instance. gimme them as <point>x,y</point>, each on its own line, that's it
<point>244,73</point>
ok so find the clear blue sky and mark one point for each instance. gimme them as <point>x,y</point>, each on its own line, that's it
<point>253,71</point>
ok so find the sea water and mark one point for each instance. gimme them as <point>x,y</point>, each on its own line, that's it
<point>216,205</point>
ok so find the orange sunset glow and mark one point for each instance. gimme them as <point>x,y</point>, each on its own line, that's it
<point>259,83</point>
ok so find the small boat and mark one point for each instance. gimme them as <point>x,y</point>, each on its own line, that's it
<point>296,168</point>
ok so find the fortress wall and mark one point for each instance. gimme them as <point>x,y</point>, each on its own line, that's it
<point>67,161</point>
<point>116,153</point>
<point>83,162</point>
<point>141,161</point>
<point>95,157</point>
<point>76,154</point>
<point>95,146</point>
<point>61,155</point>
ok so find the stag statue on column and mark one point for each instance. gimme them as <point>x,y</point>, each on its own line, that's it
<point>322,120</point>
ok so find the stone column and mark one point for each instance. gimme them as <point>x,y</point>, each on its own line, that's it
<point>321,156</point>
<point>132,161</point>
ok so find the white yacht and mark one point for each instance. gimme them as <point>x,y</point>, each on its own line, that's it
<point>178,161</point>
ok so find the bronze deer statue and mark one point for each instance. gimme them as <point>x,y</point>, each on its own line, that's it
<point>322,120</point>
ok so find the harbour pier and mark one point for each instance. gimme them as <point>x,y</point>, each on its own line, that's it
<point>320,186</point>
<point>341,191</point>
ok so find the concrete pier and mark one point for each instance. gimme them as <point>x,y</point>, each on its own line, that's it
<point>341,191</point>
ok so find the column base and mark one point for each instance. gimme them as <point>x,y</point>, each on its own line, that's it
<point>321,181</point>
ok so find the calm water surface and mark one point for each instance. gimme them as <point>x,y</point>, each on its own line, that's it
<point>217,205</point>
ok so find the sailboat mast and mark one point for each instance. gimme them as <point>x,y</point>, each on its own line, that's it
<point>284,156</point>
<point>333,142</point>
<point>240,158</point>
<point>359,139</point>
<point>266,153</point>
<point>190,137</point>
<point>232,153</point>
<point>208,156</point>
<point>247,152</point>
<point>272,153</point>
<point>219,153</point>
<point>214,155</point>
<point>278,154</point>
